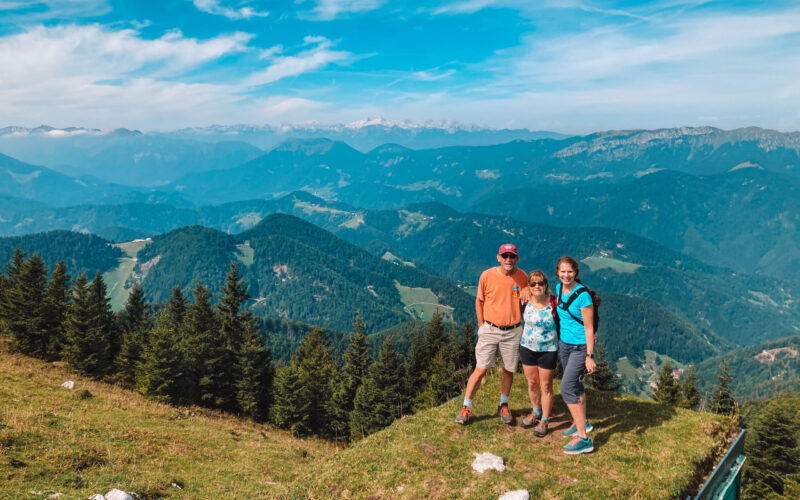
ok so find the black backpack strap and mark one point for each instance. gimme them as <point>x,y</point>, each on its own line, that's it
<point>565,305</point>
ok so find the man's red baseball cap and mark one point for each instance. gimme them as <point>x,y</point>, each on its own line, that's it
<point>507,248</point>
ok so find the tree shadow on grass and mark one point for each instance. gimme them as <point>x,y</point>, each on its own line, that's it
<point>611,414</point>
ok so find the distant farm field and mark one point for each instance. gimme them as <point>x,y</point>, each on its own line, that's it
<point>422,303</point>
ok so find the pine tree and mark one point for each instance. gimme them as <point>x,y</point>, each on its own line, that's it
<point>417,363</point>
<point>603,378</point>
<point>291,405</point>
<point>722,401</point>
<point>467,348</point>
<point>435,338</point>
<point>87,350</point>
<point>25,301</point>
<point>254,388</point>
<point>162,366</point>
<point>103,319</point>
<point>206,355</point>
<point>348,379</point>
<point>441,384</point>
<point>136,326</point>
<point>176,307</point>
<point>667,389</point>
<point>772,451</point>
<point>56,305</point>
<point>230,309</point>
<point>315,362</point>
<point>8,311</point>
<point>690,394</point>
<point>379,400</point>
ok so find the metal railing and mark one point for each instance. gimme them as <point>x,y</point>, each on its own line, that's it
<point>724,483</point>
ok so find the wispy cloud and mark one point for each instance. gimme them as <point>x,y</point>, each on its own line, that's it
<point>31,11</point>
<point>431,75</point>
<point>215,7</point>
<point>312,59</point>
<point>326,10</point>
<point>463,7</point>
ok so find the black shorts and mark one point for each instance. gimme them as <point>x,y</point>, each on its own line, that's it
<point>546,359</point>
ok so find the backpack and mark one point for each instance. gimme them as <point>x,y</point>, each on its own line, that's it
<point>564,306</point>
<point>556,319</point>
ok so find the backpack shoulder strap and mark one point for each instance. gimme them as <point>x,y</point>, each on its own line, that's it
<point>565,305</point>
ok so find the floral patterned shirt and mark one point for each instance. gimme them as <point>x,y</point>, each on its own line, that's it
<point>539,333</point>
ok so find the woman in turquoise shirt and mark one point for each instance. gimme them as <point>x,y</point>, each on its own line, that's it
<point>576,348</point>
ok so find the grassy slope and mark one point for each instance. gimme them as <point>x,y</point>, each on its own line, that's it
<point>116,279</point>
<point>643,450</point>
<point>51,440</point>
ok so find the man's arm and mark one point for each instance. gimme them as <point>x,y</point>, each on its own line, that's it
<point>479,311</point>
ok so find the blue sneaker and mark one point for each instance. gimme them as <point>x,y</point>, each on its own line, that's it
<point>572,430</point>
<point>578,445</point>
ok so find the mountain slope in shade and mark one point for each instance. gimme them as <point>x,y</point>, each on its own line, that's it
<point>80,252</point>
<point>297,271</point>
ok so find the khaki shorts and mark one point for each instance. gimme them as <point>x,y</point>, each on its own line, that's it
<point>490,339</point>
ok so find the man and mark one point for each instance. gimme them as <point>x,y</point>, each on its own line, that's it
<point>499,313</point>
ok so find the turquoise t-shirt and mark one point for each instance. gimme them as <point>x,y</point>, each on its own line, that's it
<point>572,332</point>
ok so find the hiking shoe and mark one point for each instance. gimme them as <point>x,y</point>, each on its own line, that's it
<point>463,416</point>
<point>505,414</point>
<point>531,418</point>
<point>578,445</point>
<point>541,429</point>
<point>572,430</point>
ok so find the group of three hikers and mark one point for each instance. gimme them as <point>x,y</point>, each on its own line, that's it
<point>519,317</point>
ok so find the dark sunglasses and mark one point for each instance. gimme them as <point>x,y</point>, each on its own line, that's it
<point>508,256</point>
<point>538,283</point>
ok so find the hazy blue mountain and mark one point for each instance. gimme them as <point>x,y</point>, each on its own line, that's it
<point>364,135</point>
<point>121,156</point>
<point>748,219</point>
<point>296,271</point>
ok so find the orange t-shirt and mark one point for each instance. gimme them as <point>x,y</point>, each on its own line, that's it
<point>495,290</point>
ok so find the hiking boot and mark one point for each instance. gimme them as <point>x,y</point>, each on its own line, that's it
<point>572,430</point>
<point>541,429</point>
<point>531,418</point>
<point>578,445</point>
<point>463,416</point>
<point>505,414</point>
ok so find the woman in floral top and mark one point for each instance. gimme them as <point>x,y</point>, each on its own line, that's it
<point>538,351</point>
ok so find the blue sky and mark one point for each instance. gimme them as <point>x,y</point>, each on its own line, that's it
<point>567,66</point>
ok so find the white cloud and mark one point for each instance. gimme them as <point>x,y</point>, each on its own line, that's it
<point>463,7</point>
<point>310,60</point>
<point>52,9</point>
<point>326,10</point>
<point>431,75</point>
<point>214,7</point>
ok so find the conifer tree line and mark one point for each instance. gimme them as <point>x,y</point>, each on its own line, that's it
<point>192,352</point>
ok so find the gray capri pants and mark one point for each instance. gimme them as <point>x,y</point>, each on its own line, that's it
<point>573,359</point>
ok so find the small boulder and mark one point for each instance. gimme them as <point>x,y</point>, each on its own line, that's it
<point>515,495</point>
<point>116,494</point>
<point>69,384</point>
<point>486,461</point>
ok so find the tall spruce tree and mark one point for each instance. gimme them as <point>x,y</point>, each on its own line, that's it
<point>9,282</point>
<point>205,352</point>
<point>25,301</point>
<point>690,394</point>
<point>136,326</point>
<point>314,359</point>
<point>417,363</point>
<point>467,347</point>
<point>441,383</point>
<point>772,451</point>
<point>254,387</point>
<point>604,378</point>
<point>176,307</point>
<point>163,365</point>
<point>348,379</point>
<point>234,321</point>
<point>291,404</point>
<point>722,401</point>
<point>87,349</point>
<point>103,318</point>
<point>667,389</point>
<point>380,399</point>
<point>56,305</point>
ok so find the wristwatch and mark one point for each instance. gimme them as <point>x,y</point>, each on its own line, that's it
<point>591,355</point>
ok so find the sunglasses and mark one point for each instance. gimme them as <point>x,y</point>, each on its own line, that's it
<point>508,256</point>
<point>538,283</point>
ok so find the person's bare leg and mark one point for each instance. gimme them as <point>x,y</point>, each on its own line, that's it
<point>505,382</point>
<point>474,382</point>
<point>546,389</point>
<point>578,418</point>
<point>532,376</point>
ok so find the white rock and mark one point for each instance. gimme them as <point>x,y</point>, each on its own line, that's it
<point>116,494</point>
<point>97,496</point>
<point>55,495</point>
<point>486,461</point>
<point>69,384</point>
<point>515,495</point>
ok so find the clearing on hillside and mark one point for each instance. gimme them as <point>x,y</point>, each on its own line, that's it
<point>422,303</point>
<point>619,266</point>
<point>119,280</point>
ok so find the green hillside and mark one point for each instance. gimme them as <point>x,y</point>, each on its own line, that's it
<point>80,252</point>
<point>57,441</point>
